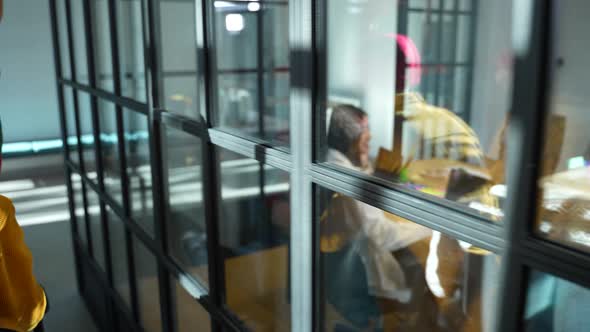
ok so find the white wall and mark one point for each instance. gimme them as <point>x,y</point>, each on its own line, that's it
<point>492,78</point>
<point>361,61</point>
<point>28,100</point>
<point>571,93</point>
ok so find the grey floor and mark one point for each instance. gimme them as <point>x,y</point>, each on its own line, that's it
<point>51,246</point>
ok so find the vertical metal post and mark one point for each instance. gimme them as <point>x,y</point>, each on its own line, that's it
<point>531,46</point>
<point>153,60</point>
<point>210,169</point>
<point>471,61</point>
<point>88,28</point>
<point>78,125</point>
<point>301,106</point>
<point>64,134</point>
<point>125,192</point>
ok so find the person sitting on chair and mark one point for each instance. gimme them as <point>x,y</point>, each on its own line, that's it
<point>355,233</point>
<point>22,300</point>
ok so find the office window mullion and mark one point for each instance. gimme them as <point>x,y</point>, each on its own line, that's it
<point>301,102</point>
<point>152,67</point>
<point>531,47</point>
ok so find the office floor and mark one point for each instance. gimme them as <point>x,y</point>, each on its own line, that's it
<point>51,246</point>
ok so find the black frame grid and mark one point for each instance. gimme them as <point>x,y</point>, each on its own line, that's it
<point>514,240</point>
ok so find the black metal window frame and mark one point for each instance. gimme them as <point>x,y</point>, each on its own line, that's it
<point>514,240</point>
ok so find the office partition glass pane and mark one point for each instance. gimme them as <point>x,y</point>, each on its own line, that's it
<point>102,44</point>
<point>79,213</point>
<point>420,98</point>
<point>381,272</point>
<point>148,293</point>
<point>254,235</point>
<point>71,131</point>
<point>131,51</point>
<point>555,304</point>
<point>109,142</point>
<point>119,261</point>
<point>179,57</point>
<point>95,219</point>
<point>564,200</point>
<point>79,39</point>
<point>190,316</point>
<point>251,47</point>
<point>64,45</point>
<point>139,170</point>
<point>185,215</point>
<point>86,135</point>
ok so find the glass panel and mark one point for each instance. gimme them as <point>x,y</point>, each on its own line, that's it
<point>139,170</point>
<point>564,204</point>
<point>254,235</point>
<point>78,193</point>
<point>119,258</point>
<point>79,38</point>
<point>102,44</point>
<point>94,217</point>
<point>131,51</point>
<point>64,45</point>
<point>466,4</point>
<point>252,43</point>
<point>556,305</point>
<point>190,316</point>
<point>187,237</point>
<point>148,293</point>
<point>179,57</point>
<point>86,134</point>
<point>381,272</point>
<point>398,111</point>
<point>111,160</point>
<point>71,131</point>
<point>180,94</point>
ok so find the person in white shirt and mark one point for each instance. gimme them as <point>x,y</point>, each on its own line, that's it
<point>364,228</point>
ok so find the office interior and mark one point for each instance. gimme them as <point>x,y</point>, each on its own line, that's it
<point>203,185</point>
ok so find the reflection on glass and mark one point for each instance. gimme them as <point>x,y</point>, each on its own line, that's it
<point>79,212</point>
<point>95,220</point>
<point>79,40</point>
<point>423,105</point>
<point>86,134</point>
<point>556,305</point>
<point>102,44</point>
<point>148,294</point>
<point>64,46</point>
<point>187,237</point>
<point>190,316</point>
<point>110,150</point>
<point>71,131</point>
<point>380,272</point>
<point>253,68</point>
<point>179,57</point>
<point>131,53</point>
<point>254,235</point>
<point>139,170</point>
<point>564,202</point>
<point>119,262</point>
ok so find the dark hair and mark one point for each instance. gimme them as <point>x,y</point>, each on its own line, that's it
<point>345,127</point>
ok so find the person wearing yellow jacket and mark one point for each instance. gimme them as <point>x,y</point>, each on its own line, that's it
<point>22,300</point>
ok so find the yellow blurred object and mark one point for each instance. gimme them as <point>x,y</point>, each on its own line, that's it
<point>22,300</point>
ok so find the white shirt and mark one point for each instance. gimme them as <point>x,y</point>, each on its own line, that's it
<point>375,237</point>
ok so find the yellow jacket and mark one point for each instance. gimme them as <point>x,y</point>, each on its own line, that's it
<point>22,300</point>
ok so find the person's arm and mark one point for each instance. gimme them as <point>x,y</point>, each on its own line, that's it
<point>386,233</point>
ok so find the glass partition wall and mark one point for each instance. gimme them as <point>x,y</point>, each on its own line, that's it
<point>282,165</point>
